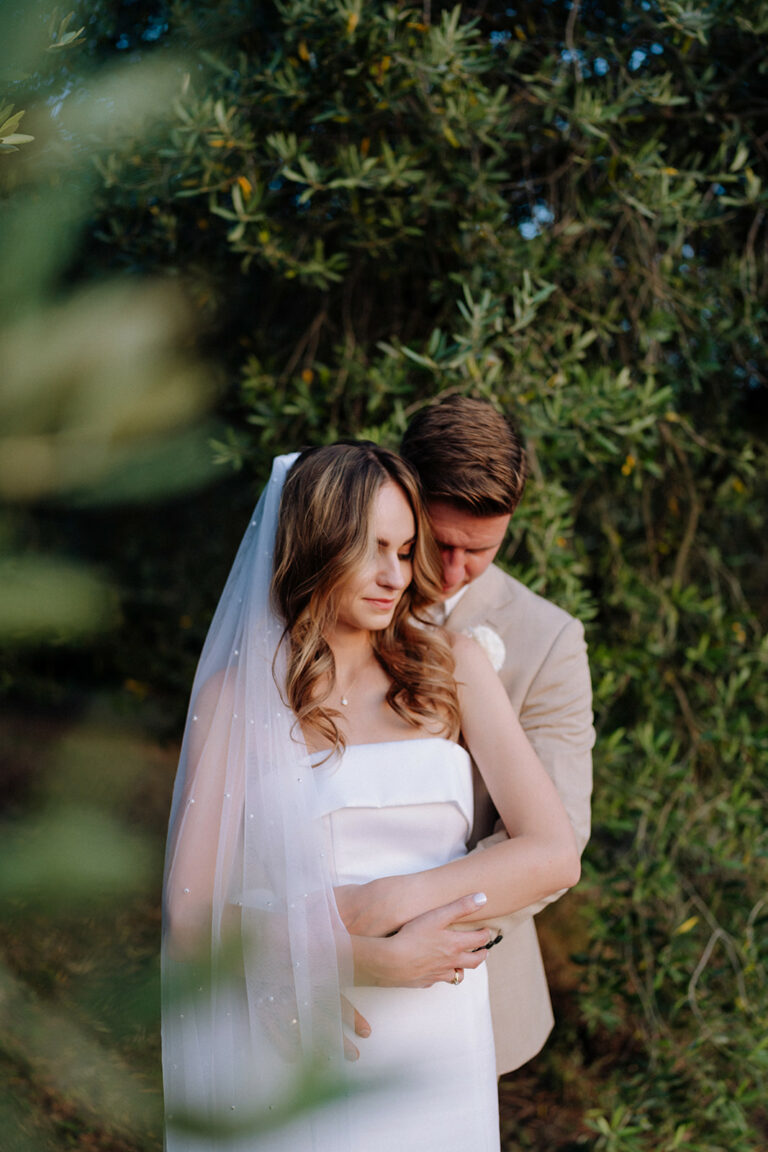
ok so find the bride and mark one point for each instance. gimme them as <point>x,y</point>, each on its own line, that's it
<point>325,753</point>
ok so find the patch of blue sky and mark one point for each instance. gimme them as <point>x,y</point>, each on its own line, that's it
<point>541,217</point>
<point>542,213</point>
<point>56,103</point>
<point>579,58</point>
<point>749,373</point>
<point>155,29</point>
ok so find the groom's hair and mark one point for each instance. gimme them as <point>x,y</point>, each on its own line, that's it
<point>467,454</point>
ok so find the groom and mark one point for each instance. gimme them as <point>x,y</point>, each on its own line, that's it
<point>472,469</point>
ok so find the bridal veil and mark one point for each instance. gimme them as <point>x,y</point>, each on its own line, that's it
<point>254,953</point>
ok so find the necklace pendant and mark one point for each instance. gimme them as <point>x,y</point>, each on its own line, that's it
<point>344,701</point>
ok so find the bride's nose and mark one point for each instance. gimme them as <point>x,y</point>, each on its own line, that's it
<point>391,573</point>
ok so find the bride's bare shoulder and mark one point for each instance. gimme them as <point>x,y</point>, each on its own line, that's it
<point>469,657</point>
<point>220,687</point>
<point>213,705</point>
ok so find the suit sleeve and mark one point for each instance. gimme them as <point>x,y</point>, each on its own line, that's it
<point>556,715</point>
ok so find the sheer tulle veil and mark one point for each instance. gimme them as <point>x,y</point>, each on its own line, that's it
<point>254,954</point>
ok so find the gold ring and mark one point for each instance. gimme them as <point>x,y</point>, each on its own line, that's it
<point>457,976</point>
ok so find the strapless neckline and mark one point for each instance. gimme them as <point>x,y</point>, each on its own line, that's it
<point>385,743</point>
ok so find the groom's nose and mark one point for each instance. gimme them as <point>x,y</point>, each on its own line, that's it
<point>453,565</point>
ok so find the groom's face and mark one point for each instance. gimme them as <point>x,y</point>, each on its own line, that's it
<point>468,544</point>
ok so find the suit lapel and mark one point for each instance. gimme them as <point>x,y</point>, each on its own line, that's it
<point>484,600</point>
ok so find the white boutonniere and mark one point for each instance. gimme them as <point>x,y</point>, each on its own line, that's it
<point>490,642</point>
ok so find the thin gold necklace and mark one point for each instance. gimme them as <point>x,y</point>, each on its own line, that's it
<point>344,698</point>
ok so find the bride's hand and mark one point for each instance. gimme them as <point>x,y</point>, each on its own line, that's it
<point>424,951</point>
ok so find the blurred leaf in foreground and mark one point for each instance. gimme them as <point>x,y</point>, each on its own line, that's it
<point>51,599</point>
<point>96,375</point>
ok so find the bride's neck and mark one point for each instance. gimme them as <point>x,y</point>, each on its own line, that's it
<point>350,650</point>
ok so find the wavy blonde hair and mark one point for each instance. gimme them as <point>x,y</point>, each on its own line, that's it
<point>323,535</point>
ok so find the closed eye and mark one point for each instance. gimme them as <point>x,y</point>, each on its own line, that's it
<point>467,551</point>
<point>408,548</point>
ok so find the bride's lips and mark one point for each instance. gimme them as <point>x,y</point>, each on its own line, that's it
<point>384,605</point>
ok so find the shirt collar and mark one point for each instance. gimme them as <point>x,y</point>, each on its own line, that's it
<point>452,601</point>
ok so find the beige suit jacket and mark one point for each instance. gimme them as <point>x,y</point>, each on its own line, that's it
<point>546,675</point>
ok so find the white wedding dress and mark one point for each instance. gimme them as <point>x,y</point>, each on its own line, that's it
<point>390,809</point>
<point>426,1077</point>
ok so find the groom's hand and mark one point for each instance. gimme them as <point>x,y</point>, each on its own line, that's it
<point>374,909</point>
<point>362,909</point>
<point>354,1021</point>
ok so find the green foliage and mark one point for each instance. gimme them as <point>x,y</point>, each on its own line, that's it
<point>92,384</point>
<point>560,207</point>
<point>9,137</point>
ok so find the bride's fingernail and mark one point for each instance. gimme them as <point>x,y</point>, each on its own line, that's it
<point>480,898</point>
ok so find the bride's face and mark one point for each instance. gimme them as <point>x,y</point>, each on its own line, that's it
<point>368,597</point>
